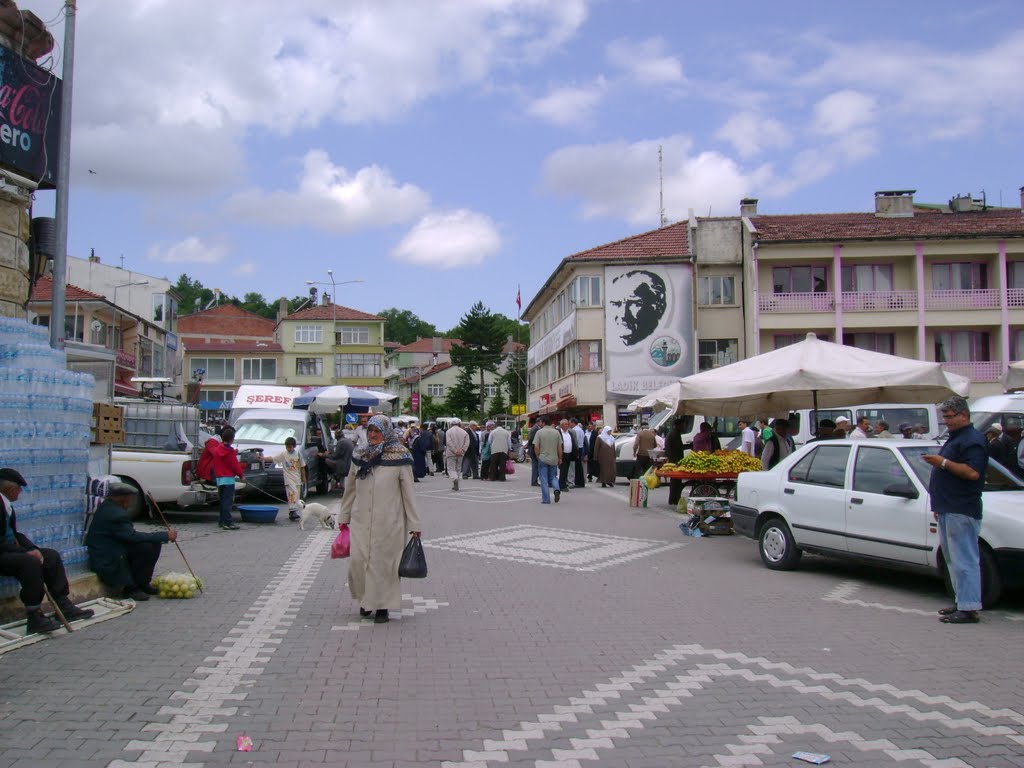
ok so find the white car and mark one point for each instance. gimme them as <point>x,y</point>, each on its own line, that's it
<point>868,500</point>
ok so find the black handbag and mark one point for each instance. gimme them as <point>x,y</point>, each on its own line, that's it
<point>413,564</point>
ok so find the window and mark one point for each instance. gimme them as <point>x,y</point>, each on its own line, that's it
<point>145,357</point>
<point>490,390</point>
<point>785,339</point>
<point>219,370</point>
<point>218,396</point>
<point>874,342</point>
<point>965,276</point>
<point>860,278</point>
<point>1017,345</point>
<point>158,308</point>
<point>309,366</point>
<point>590,355</point>
<point>309,334</point>
<point>357,366</point>
<point>259,369</point>
<point>875,469</point>
<point>1014,277</point>
<point>714,353</point>
<point>354,335</point>
<point>800,279</point>
<point>586,292</point>
<point>435,390</point>
<point>961,346</point>
<point>823,466</point>
<point>716,289</point>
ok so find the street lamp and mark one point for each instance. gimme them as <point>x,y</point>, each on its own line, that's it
<point>334,313</point>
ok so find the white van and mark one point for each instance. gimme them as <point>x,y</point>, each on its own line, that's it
<point>1007,409</point>
<point>725,428</point>
<point>893,413</point>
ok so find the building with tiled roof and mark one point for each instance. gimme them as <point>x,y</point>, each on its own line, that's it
<point>611,323</point>
<point>332,344</point>
<point>225,321</point>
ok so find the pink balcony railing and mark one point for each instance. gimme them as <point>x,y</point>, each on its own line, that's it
<point>1015,297</point>
<point>981,299</point>
<point>873,301</point>
<point>125,360</point>
<point>795,302</point>
<point>977,370</point>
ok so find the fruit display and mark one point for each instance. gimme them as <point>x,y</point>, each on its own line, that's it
<point>177,585</point>
<point>717,463</point>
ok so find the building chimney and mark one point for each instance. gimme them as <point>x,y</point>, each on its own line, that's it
<point>282,308</point>
<point>894,203</point>
<point>93,257</point>
<point>748,206</point>
<point>961,204</point>
<point>1022,198</point>
<point>325,299</point>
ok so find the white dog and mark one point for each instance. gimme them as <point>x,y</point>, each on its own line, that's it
<point>315,511</point>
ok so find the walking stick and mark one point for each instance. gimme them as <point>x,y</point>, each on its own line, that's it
<point>167,525</point>
<point>56,609</point>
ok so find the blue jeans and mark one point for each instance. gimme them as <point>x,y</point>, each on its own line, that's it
<point>226,494</point>
<point>548,476</point>
<point>958,537</point>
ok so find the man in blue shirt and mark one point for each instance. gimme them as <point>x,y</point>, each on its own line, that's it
<point>957,480</point>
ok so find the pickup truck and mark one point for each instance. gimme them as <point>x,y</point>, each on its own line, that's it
<point>158,456</point>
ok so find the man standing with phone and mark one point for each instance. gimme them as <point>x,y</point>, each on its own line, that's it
<point>957,480</point>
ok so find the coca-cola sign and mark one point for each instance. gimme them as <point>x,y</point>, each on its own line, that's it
<point>30,99</point>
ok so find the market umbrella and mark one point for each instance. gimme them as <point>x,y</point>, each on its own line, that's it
<point>329,399</point>
<point>1013,379</point>
<point>809,374</point>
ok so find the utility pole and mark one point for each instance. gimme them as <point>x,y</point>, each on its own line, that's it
<point>60,256</point>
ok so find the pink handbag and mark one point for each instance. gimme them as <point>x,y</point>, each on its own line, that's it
<point>342,543</point>
<point>510,467</point>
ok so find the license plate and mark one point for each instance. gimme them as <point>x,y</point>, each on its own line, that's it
<point>255,466</point>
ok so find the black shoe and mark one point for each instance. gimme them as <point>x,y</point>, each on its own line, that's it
<point>558,495</point>
<point>949,611</point>
<point>37,621</point>
<point>381,617</point>
<point>363,613</point>
<point>228,527</point>
<point>137,595</point>
<point>150,590</point>
<point>73,613</point>
<point>961,617</point>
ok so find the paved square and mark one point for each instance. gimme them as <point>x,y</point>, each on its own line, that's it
<point>553,547</point>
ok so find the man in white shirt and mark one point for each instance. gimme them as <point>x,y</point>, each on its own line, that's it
<point>862,430</point>
<point>747,438</point>
<point>568,454</point>
<point>580,438</point>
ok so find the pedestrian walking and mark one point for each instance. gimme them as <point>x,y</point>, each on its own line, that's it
<point>604,457</point>
<point>955,486</point>
<point>380,510</point>
<point>548,445</point>
<point>293,467</point>
<point>499,440</point>
<point>568,454</point>
<point>674,452</point>
<point>534,428</point>
<point>456,445</point>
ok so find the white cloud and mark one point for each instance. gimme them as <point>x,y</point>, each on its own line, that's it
<point>246,268</point>
<point>844,111</point>
<point>646,61</point>
<point>191,250</point>
<point>620,180</point>
<point>570,104</point>
<point>450,239</point>
<point>331,199</point>
<point>751,133</point>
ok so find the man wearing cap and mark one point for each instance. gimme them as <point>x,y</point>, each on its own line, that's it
<point>456,444</point>
<point>500,440</point>
<point>907,430</point>
<point>826,431</point>
<point>1000,446</point>
<point>122,557</point>
<point>842,427</point>
<point>32,566</point>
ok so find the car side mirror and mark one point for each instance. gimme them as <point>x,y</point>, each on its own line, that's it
<point>901,490</point>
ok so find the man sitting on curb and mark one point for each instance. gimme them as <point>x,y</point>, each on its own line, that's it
<point>31,565</point>
<point>122,557</point>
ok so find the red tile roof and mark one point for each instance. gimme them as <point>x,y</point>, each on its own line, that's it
<point>671,241</point>
<point>43,291</point>
<point>834,227</point>
<point>427,345</point>
<point>331,312</point>
<point>426,372</point>
<point>198,346</point>
<point>226,320</point>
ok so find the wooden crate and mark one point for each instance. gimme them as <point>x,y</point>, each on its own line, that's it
<point>100,435</point>
<point>107,418</point>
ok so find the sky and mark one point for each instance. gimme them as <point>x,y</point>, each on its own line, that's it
<point>452,151</point>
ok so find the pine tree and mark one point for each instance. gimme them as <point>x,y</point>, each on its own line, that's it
<point>464,398</point>
<point>482,339</point>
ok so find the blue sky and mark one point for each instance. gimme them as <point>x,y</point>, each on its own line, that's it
<point>447,151</point>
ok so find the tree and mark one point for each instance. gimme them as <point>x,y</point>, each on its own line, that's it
<point>482,340</point>
<point>497,402</point>
<point>405,327</point>
<point>464,398</point>
<point>193,295</point>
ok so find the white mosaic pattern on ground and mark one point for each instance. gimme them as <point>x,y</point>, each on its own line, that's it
<point>704,668</point>
<point>489,493</point>
<point>553,547</point>
<point>844,593</point>
<point>419,605</point>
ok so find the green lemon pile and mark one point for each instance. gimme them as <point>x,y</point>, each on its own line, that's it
<point>719,462</point>
<point>177,585</point>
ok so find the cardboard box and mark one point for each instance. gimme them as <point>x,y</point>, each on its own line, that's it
<point>107,418</point>
<point>100,435</point>
<point>637,493</point>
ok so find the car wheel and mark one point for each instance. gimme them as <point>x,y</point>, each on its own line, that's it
<point>991,581</point>
<point>778,549</point>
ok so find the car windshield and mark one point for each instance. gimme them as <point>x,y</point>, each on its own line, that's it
<point>268,431</point>
<point>997,478</point>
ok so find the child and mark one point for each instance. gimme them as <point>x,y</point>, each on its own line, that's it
<point>294,465</point>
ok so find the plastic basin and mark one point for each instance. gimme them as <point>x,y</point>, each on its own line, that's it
<point>258,513</point>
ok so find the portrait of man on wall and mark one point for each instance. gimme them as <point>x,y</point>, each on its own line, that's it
<point>637,301</point>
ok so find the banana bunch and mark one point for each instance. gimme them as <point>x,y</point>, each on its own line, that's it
<point>717,463</point>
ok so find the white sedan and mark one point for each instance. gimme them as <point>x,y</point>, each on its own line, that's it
<point>868,500</point>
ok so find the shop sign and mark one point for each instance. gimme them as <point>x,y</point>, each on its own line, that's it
<point>564,391</point>
<point>30,107</point>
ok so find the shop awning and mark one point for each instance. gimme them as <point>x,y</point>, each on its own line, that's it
<point>124,389</point>
<point>566,402</point>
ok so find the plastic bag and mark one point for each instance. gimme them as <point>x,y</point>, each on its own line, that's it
<point>413,564</point>
<point>650,479</point>
<point>342,545</point>
<point>510,467</point>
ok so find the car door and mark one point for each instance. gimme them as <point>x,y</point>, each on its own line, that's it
<point>882,525</point>
<point>813,496</point>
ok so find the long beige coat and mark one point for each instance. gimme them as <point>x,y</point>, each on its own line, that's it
<point>380,510</point>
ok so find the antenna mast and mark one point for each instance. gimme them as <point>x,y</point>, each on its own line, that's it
<point>661,191</point>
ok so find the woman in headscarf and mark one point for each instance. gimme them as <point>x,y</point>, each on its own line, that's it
<point>604,452</point>
<point>380,510</point>
<point>421,447</point>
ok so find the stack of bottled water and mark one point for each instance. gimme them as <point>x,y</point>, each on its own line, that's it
<point>45,423</point>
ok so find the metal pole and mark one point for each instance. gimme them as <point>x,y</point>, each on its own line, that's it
<point>57,311</point>
<point>334,328</point>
